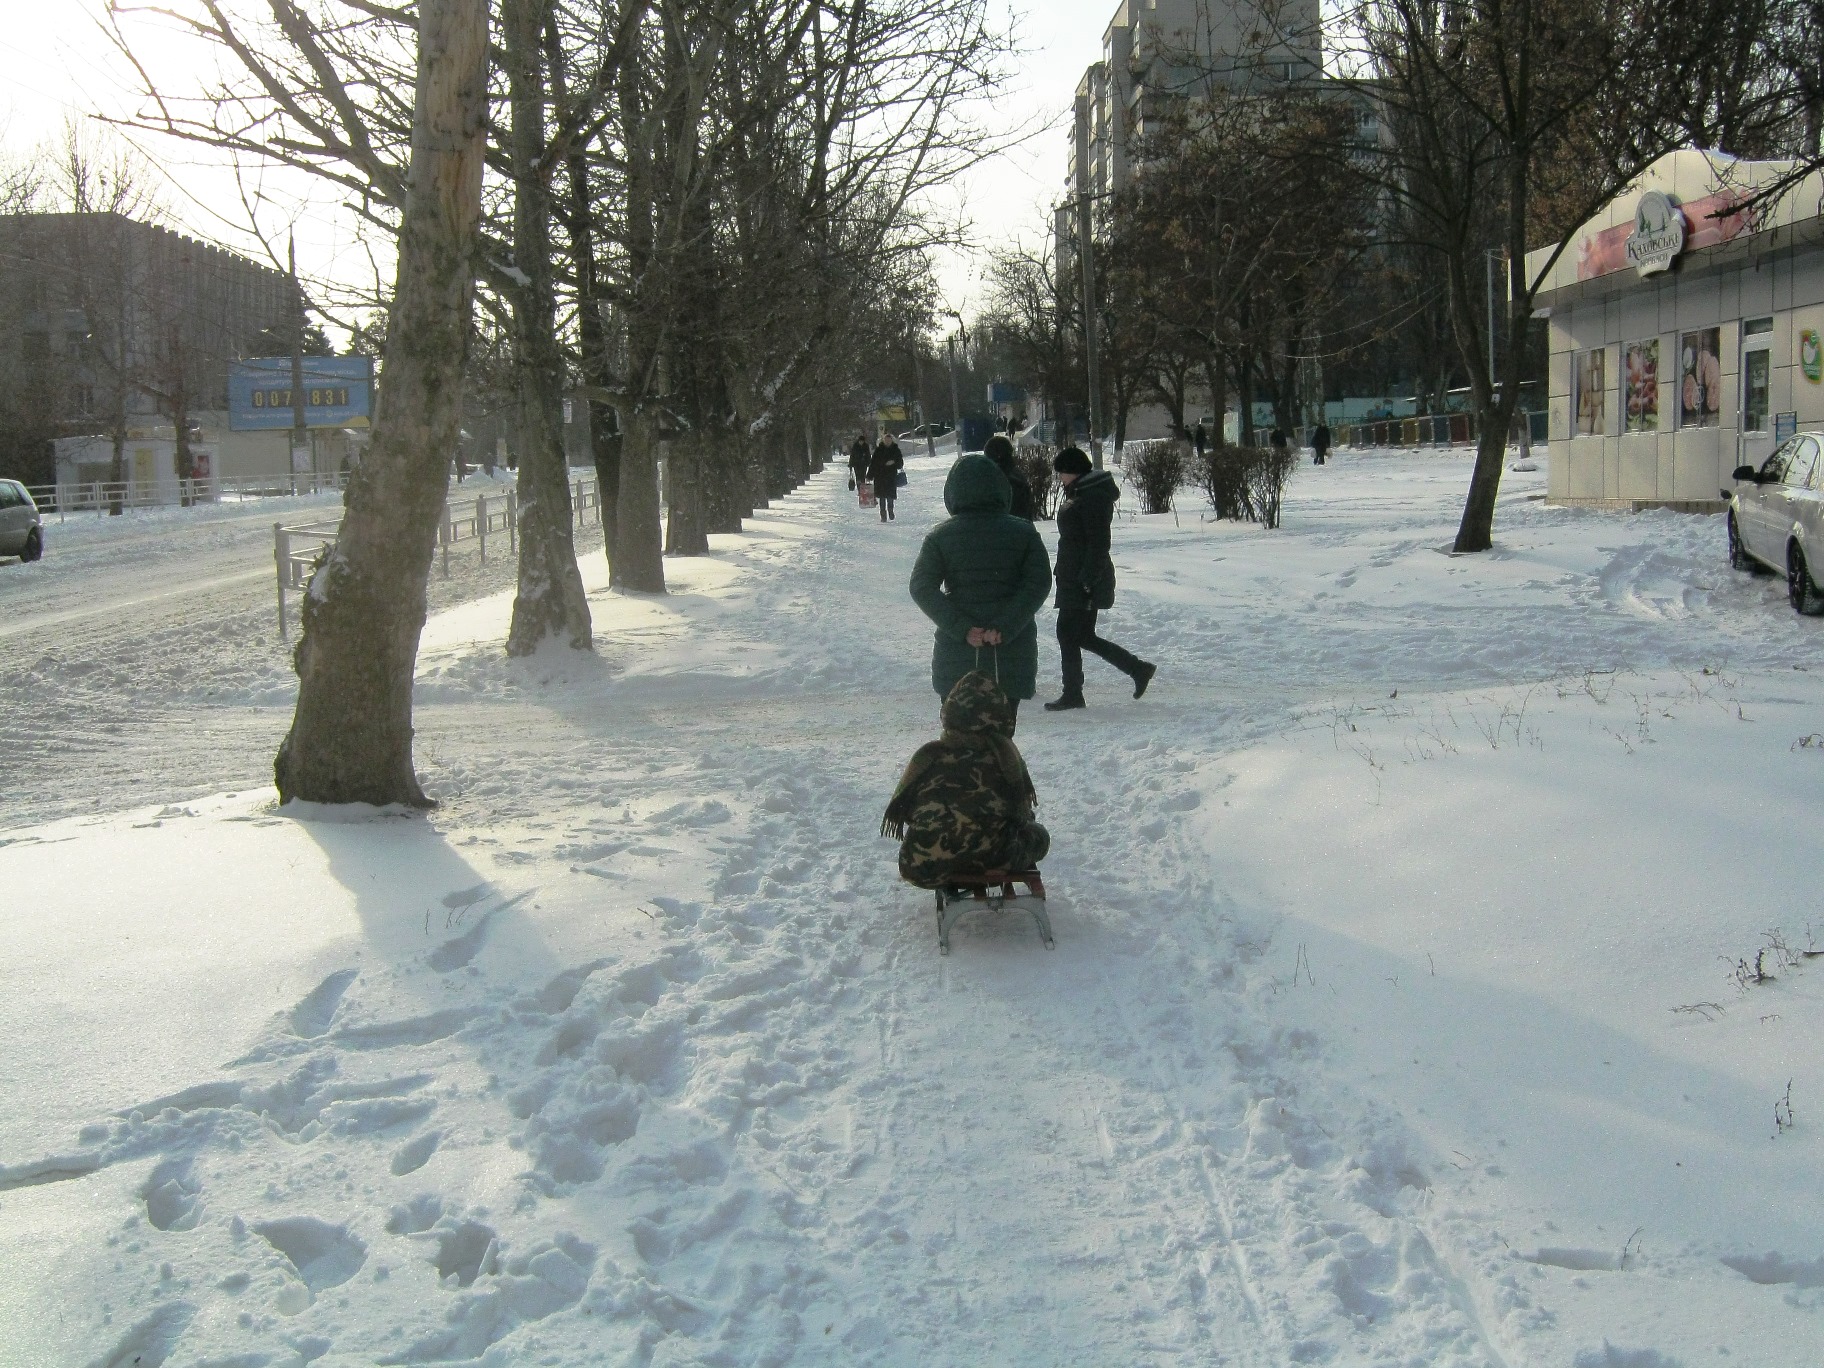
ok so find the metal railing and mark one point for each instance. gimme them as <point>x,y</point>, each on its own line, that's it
<point>102,496</point>
<point>1431,430</point>
<point>298,548</point>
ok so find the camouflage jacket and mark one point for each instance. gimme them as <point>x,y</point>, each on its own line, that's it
<point>964,800</point>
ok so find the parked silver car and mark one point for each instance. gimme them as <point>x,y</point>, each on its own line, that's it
<point>1776,518</point>
<point>21,531</point>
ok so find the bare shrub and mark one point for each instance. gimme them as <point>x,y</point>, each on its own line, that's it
<point>1157,470</point>
<point>1034,462</point>
<point>1223,476</point>
<point>1246,484</point>
<point>1267,477</point>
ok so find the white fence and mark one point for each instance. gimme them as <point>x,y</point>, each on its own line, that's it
<point>101,496</point>
<point>297,547</point>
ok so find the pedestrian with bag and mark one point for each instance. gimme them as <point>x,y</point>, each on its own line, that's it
<point>1086,577</point>
<point>982,576</point>
<point>858,461</point>
<point>885,470</point>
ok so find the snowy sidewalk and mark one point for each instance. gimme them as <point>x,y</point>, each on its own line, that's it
<point>1360,1043</point>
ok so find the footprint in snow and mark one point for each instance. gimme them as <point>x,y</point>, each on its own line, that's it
<point>149,1343</point>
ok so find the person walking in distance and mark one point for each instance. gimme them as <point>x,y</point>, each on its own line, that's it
<point>1086,577</point>
<point>858,461</point>
<point>999,449</point>
<point>884,471</point>
<point>1320,443</point>
<point>1199,439</point>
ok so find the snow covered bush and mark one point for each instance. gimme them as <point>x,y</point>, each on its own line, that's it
<point>1156,469</point>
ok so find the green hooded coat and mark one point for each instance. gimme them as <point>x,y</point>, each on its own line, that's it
<point>982,568</point>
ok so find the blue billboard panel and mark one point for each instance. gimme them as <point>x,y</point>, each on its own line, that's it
<point>338,392</point>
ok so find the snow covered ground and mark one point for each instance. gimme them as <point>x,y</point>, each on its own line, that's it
<point>1404,1009</point>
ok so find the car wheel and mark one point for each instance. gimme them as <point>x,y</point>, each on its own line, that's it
<point>1739,559</point>
<point>1800,591</point>
<point>34,546</point>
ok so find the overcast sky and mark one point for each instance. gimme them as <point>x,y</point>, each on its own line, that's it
<point>55,63</point>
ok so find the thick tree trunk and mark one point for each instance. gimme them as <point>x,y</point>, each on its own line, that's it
<point>604,427</point>
<point>550,602</point>
<point>641,549</point>
<point>351,736</point>
<point>686,523</point>
<point>724,503</point>
<point>180,434</point>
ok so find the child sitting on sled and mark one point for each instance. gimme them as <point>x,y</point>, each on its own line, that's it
<point>964,804</point>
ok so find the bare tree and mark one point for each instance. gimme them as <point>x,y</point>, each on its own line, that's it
<point>351,737</point>
<point>1492,108</point>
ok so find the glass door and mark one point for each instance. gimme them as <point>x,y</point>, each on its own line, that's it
<point>1757,394</point>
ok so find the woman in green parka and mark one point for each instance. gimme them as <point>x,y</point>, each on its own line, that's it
<point>981,576</point>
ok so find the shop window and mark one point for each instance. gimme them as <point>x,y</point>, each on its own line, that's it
<point>1700,378</point>
<point>1757,325</point>
<point>1640,385</point>
<point>1592,393</point>
<point>1757,372</point>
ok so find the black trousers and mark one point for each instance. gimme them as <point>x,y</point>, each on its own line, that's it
<point>1077,634</point>
<point>886,502</point>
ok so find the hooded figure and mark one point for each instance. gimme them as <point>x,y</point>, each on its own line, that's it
<point>981,575</point>
<point>965,803</point>
<point>1000,450</point>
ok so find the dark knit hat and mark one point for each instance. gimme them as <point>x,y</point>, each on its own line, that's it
<point>999,450</point>
<point>1071,461</point>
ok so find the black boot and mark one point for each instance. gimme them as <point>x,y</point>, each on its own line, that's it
<point>1066,703</point>
<point>1144,676</point>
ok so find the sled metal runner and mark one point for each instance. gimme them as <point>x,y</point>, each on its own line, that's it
<point>996,888</point>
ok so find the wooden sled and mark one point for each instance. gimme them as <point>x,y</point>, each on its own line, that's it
<point>996,888</point>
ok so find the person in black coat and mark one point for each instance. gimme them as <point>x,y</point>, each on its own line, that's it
<point>1085,574</point>
<point>858,462</point>
<point>1000,450</point>
<point>1320,443</point>
<point>884,471</point>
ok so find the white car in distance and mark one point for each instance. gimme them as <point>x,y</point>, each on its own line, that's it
<point>1776,518</point>
<point>21,529</point>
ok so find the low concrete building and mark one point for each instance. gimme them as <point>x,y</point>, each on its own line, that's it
<point>1685,333</point>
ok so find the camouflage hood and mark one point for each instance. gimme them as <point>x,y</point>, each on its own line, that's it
<point>977,704</point>
<point>977,717</point>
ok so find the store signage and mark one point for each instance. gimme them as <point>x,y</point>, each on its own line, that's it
<point>1811,355</point>
<point>1659,233</point>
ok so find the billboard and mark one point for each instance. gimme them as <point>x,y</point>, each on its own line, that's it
<point>338,392</point>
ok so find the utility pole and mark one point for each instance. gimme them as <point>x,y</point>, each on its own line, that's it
<point>1061,240</point>
<point>1490,258</point>
<point>1086,260</point>
<point>300,435</point>
<point>956,407</point>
